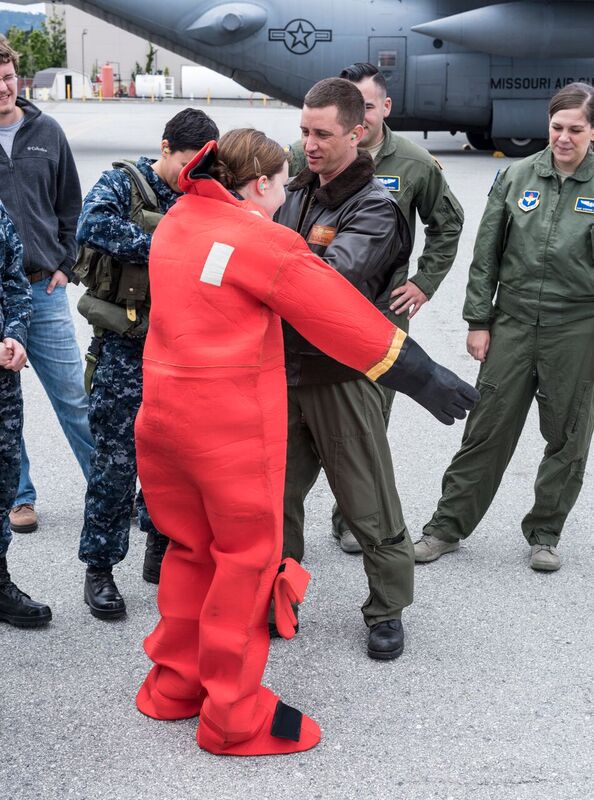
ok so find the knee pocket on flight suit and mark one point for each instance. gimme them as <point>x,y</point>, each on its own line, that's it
<point>358,492</point>
<point>360,469</point>
<point>354,482</point>
<point>489,411</point>
<point>574,436</point>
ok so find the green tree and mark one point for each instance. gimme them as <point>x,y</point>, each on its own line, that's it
<point>17,39</point>
<point>150,59</point>
<point>56,33</point>
<point>40,48</point>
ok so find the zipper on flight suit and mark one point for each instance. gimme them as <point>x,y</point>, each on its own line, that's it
<point>560,186</point>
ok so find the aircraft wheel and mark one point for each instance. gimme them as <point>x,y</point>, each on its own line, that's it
<point>519,148</point>
<point>480,141</point>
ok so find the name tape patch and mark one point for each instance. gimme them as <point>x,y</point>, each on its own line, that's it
<point>216,263</point>
<point>391,182</point>
<point>322,235</point>
<point>585,205</point>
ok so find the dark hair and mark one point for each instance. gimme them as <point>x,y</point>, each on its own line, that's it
<point>360,70</point>
<point>574,95</point>
<point>342,94</point>
<point>191,129</point>
<point>245,154</point>
<point>8,55</point>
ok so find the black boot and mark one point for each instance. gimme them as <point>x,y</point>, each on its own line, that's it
<point>156,544</point>
<point>101,594</point>
<point>16,607</point>
<point>386,640</point>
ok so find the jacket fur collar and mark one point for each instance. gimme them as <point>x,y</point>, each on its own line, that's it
<point>345,185</point>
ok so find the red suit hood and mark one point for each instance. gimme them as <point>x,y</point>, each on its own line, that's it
<point>194,179</point>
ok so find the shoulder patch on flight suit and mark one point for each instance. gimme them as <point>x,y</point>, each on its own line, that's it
<point>216,263</point>
<point>585,205</point>
<point>529,200</point>
<point>322,235</point>
<point>391,182</point>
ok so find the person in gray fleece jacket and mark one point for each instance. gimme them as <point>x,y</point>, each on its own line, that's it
<point>40,189</point>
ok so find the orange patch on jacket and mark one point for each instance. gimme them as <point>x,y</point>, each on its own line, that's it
<point>322,235</point>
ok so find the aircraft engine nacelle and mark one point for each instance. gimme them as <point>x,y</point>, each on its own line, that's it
<point>228,23</point>
<point>525,30</point>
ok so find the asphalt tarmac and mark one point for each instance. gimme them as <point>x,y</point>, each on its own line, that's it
<point>492,698</point>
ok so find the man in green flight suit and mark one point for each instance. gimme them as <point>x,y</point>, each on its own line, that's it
<point>415,179</point>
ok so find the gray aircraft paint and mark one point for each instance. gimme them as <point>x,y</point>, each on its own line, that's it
<point>486,68</point>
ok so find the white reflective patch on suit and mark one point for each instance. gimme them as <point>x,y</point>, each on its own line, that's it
<point>216,263</point>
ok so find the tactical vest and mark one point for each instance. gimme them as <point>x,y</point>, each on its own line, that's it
<point>117,297</point>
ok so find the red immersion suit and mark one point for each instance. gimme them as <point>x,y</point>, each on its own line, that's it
<point>211,443</point>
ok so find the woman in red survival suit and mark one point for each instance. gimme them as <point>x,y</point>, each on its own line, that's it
<point>211,433</point>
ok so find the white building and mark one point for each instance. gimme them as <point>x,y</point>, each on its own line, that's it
<point>61,83</point>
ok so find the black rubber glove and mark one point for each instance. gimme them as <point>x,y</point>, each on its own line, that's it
<point>436,388</point>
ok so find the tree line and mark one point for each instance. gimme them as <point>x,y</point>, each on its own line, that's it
<point>39,48</point>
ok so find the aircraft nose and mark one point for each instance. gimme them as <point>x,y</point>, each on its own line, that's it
<point>228,23</point>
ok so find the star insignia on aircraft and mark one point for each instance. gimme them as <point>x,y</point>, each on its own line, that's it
<point>299,36</point>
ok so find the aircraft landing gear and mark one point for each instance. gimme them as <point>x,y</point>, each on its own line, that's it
<point>519,148</point>
<point>480,141</point>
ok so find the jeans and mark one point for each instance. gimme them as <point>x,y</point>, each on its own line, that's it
<point>54,355</point>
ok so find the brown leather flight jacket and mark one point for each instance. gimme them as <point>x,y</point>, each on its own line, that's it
<point>355,225</point>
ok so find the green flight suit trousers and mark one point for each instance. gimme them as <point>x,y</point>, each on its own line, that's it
<point>341,428</point>
<point>555,365</point>
<point>401,320</point>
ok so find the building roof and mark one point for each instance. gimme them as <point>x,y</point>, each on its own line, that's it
<point>44,79</point>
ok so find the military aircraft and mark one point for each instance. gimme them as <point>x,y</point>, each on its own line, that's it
<point>485,68</point>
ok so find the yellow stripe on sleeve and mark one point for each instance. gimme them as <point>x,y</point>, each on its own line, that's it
<point>388,360</point>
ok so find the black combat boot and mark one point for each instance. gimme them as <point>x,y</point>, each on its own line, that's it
<point>101,594</point>
<point>16,607</point>
<point>156,544</point>
<point>386,640</point>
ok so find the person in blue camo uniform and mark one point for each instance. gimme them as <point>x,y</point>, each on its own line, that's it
<point>16,607</point>
<point>108,224</point>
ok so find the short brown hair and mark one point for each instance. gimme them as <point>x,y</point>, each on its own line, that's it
<point>245,154</point>
<point>574,95</point>
<point>8,55</point>
<point>340,93</point>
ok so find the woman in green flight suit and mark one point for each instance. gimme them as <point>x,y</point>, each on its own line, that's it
<point>530,309</point>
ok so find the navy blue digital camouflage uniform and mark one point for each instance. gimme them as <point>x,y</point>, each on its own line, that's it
<point>15,313</point>
<point>105,224</point>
